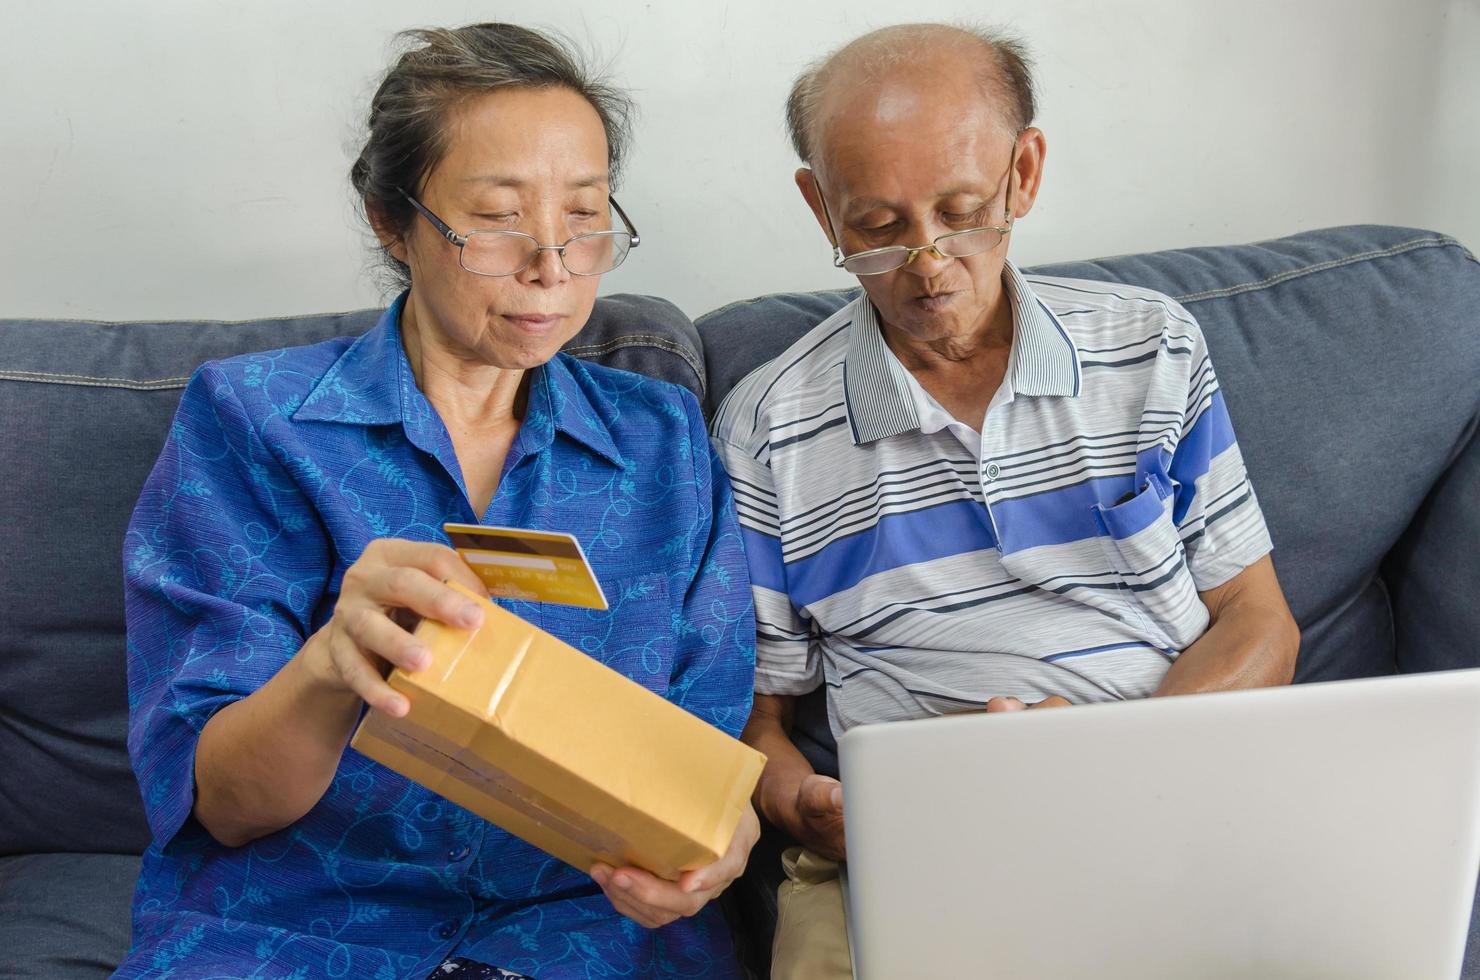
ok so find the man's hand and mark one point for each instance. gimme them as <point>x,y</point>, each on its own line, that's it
<point>652,902</point>
<point>817,821</point>
<point>790,795</point>
<point>1013,704</point>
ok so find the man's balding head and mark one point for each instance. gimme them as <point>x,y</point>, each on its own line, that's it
<point>913,135</point>
<point>998,65</point>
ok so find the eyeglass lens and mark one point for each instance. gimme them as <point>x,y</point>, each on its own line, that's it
<point>498,253</point>
<point>957,246</point>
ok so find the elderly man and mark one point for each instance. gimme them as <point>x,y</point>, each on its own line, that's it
<point>970,487</point>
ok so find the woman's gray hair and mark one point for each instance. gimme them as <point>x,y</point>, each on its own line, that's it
<point>439,69</point>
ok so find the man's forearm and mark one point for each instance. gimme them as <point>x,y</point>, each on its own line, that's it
<point>1249,644</point>
<point>768,732</point>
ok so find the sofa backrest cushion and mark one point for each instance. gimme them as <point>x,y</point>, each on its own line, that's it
<point>1350,362</point>
<point>1433,577</point>
<point>86,408</point>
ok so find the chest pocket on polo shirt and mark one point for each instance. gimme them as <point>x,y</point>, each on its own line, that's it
<point>1143,547</point>
<point>634,637</point>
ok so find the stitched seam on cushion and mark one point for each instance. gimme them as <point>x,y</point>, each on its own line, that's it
<point>228,323</point>
<point>80,381</point>
<point>1442,241</point>
<point>158,384</point>
<point>646,340</point>
<point>89,377</point>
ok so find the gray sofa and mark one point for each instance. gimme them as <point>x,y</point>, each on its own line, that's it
<point>1350,359</point>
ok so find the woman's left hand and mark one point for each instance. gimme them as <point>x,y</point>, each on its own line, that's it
<point>653,902</point>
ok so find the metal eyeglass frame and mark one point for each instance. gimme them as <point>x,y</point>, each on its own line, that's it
<point>841,261</point>
<point>461,240</point>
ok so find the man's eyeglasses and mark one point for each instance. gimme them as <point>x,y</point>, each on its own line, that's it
<point>953,245</point>
<point>504,253</point>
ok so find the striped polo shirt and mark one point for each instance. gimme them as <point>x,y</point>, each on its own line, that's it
<point>915,577</point>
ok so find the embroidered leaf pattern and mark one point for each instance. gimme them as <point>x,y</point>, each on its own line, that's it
<point>278,472</point>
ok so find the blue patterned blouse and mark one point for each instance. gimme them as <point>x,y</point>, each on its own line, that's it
<point>279,469</point>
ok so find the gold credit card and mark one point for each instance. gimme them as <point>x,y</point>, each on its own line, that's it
<point>542,566</point>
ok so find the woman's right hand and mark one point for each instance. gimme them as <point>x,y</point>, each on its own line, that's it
<point>394,582</point>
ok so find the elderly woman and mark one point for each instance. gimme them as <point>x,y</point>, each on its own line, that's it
<point>292,529</point>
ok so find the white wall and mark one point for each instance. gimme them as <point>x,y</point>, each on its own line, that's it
<point>180,158</point>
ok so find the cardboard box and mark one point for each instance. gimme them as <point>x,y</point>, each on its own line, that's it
<point>562,751</point>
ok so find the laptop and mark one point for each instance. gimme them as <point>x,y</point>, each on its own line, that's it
<point>1320,831</point>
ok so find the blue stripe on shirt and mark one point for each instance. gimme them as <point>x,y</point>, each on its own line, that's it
<point>763,557</point>
<point>896,540</point>
<point>1069,654</point>
<point>1068,513</point>
<point>1055,517</point>
<point>1209,436</point>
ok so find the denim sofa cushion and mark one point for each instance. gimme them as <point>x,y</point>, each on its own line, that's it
<point>65,916</point>
<point>1350,361</point>
<point>1431,574</point>
<point>86,407</point>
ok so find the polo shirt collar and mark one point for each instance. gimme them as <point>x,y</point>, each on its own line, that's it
<point>1044,359</point>
<point>372,384</point>
<point>879,402</point>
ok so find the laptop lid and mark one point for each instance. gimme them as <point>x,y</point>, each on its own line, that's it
<point>1324,830</point>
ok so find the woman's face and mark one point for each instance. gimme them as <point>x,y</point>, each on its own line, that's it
<point>519,159</point>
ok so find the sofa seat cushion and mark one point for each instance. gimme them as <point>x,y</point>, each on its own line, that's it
<point>65,916</point>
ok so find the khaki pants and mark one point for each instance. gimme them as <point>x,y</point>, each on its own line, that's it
<point>811,930</point>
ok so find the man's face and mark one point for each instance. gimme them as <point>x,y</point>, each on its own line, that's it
<point>907,159</point>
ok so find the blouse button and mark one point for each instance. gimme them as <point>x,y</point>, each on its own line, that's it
<point>447,930</point>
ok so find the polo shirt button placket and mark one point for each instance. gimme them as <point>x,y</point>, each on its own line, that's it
<point>990,472</point>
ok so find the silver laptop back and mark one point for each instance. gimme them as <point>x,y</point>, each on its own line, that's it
<point>1320,831</point>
